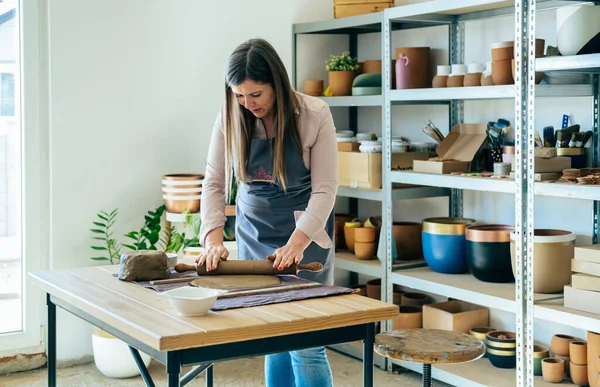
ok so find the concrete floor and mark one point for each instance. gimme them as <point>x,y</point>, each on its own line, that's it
<point>347,372</point>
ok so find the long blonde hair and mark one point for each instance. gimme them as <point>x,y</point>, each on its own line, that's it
<point>258,61</point>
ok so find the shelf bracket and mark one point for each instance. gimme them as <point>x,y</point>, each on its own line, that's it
<point>596,149</point>
<point>524,200</point>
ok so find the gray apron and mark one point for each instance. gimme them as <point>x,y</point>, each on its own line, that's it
<point>265,213</point>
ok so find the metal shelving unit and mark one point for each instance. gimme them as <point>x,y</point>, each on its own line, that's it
<point>517,298</point>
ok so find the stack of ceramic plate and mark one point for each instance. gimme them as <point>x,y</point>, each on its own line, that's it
<point>370,147</point>
<point>345,136</point>
<point>400,146</point>
<point>365,136</point>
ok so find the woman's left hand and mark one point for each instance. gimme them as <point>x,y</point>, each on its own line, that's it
<point>287,255</point>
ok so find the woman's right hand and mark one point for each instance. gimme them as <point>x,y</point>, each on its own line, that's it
<point>212,254</point>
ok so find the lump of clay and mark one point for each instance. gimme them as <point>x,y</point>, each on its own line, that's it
<point>144,265</point>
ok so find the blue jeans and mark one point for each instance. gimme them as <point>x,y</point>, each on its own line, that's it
<point>303,368</point>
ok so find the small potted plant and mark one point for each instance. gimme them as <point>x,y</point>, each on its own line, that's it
<point>342,70</point>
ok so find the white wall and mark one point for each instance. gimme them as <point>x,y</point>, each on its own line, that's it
<point>135,88</point>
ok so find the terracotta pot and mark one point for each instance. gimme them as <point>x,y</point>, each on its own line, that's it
<point>419,65</point>
<point>538,74</point>
<point>349,228</point>
<point>578,352</point>
<point>410,317</point>
<point>340,220</point>
<point>553,369</point>
<point>567,363</point>
<point>407,236</point>
<point>560,344</point>
<point>365,234</point>
<point>372,66</point>
<point>374,288</point>
<point>414,299</point>
<point>553,251</point>
<point>313,87</point>
<point>362,290</point>
<point>472,79</point>
<point>340,82</point>
<point>486,81</point>
<point>455,81</point>
<point>578,374</point>
<point>540,44</point>
<point>182,191</point>
<point>503,51</point>
<point>365,251</point>
<point>593,353</point>
<point>501,73</point>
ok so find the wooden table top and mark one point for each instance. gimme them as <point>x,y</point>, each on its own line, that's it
<point>429,346</point>
<point>150,318</point>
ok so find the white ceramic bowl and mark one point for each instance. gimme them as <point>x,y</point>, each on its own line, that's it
<point>370,148</point>
<point>365,136</point>
<point>344,133</point>
<point>346,139</point>
<point>192,300</point>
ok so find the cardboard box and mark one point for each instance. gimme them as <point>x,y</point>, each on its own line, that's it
<point>553,165</point>
<point>461,144</point>
<point>346,8</point>
<point>364,170</point>
<point>542,176</point>
<point>588,253</point>
<point>585,282</point>
<point>584,300</point>
<point>457,316</point>
<point>348,146</point>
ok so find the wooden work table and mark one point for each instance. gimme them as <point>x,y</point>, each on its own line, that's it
<point>147,322</point>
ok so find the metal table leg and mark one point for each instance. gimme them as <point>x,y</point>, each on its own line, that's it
<point>173,368</point>
<point>369,342</point>
<point>51,342</point>
<point>426,375</point>
<point>210,375</point>
<point>142,367</point>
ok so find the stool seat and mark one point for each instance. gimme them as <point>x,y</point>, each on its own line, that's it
<point>429,346</point>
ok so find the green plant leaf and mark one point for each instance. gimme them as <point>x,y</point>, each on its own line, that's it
<point>100,259</point>
<point>103,216</point>
<point>131,247</point>
<point>99,224</point>
<point>99,239</point>
<point>97,231</point>
<point>132,234</point>
<point>99,248</point>
<point>142,246</point>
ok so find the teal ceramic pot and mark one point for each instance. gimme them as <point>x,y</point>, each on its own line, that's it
<point>444,244</point>
<point>502,349</point>
<point>481,334</point>
<point>539,352</point>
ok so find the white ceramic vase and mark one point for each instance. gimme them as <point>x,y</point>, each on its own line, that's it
<point>112,356</point>
<point>576,26</point>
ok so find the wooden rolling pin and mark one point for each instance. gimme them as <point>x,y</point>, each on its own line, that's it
<point>258,267</point>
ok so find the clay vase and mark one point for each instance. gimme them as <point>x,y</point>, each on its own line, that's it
<point>408,240</point>
<point>410,317</point>
<point>414,299</point>
<point>560,344</point>
<point>340,220</point>
<point>313,87</point>
<point>340,82</point>
<point>578,352</point>
<point>593,353</point>
<point>402,72</point>
<point>578,374</point>
<point>349,228</point>
<point>441,78</point>
<point>419,63</point>
<point>374,289</point>
<point>501,73</point>
<point>553,369</point>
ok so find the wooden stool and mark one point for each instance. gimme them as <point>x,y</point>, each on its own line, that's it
<point>429,346</point>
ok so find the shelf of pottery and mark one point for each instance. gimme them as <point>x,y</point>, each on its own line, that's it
<point>181,196</point>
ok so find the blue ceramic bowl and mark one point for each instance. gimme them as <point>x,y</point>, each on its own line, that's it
<point>444,244</point>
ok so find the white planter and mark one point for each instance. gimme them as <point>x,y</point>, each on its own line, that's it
<point>113,357</point>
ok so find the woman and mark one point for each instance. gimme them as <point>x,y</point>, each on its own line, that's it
<point>280,146</point>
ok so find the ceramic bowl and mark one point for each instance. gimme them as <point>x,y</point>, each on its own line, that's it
<point>192,300</point>
<point>560,344</point>
<point>502,73</point>
<point>370,148</point>
<point>346,139</point>
<point>501,349</point>
<point>344,133</point>
<point>553,369</point>
<point>488,252</point>
<point>444,244</point>
<point>539,352</point>
<point>553,251</point>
